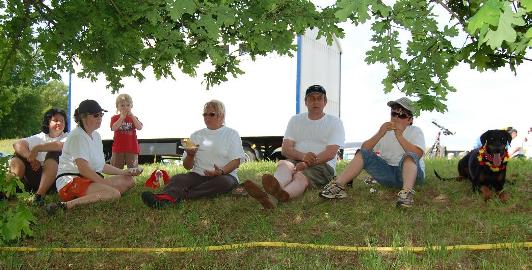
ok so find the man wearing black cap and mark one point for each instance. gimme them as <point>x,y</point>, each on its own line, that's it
<point>401,146</point>
<point>311,142</point>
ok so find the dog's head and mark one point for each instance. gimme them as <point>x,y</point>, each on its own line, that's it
<point>496,141</point>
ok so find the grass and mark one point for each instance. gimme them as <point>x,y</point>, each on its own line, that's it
<point>362,219</point>
<point>6,146</point>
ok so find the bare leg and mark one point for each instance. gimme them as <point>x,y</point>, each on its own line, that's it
<point>352,170</point>
<point>121,182</point>
<point>95,193</point>
<point>284,172</point>
<point>118,160</point>
<point>48,176</point>
<point>409,173</point>
<point>297,187</point>
<point>17,168</point>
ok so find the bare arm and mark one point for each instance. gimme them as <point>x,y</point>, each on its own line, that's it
<point>226,169</point>
<point>188,163</point>
<point>86,171</point>
<point>371,142</point>
<point>136,121</point>
<point>22,148</point>
<point>407,146</point>
<point>116,125</point>
<point>288,150</point>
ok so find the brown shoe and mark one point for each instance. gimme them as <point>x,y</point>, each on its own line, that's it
<point>271,185</point>
<point>257,193</point>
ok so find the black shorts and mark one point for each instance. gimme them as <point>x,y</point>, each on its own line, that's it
<point>32,179</point>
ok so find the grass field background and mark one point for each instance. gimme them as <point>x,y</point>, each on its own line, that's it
<point>445,213</point>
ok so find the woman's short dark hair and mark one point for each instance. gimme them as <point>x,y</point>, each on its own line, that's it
<point>45,127</point>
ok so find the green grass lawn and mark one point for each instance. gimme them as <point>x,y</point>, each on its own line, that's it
<point>445,213</point>
<point>6,146</point>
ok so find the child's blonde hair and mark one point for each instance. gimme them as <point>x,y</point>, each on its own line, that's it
<point>123,98</point>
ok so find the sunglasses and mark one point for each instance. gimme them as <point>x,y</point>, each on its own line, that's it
<point>400,115</point>
<point>96,115</point>
<point>209,114</point>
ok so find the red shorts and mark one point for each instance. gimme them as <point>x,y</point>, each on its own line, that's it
<point>75,189</point>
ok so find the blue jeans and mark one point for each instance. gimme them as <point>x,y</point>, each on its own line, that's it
<point>386,174</point>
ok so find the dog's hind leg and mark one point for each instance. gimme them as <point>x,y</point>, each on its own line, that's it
<point>486,192</point>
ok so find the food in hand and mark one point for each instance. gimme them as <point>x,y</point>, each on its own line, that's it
<point>135,171</point>
<point>187,143</point>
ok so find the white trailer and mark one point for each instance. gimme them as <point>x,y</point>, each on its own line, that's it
<point>258,103</point>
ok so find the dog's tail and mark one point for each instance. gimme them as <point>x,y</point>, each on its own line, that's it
<point>447,179</point>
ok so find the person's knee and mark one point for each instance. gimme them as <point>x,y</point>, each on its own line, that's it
<point>129,181</point>
<point>17,167</point>
<point>113,193</point>
<point>285,164</point>
<point>301,179</point>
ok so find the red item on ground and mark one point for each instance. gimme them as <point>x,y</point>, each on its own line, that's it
<point>154,182</point>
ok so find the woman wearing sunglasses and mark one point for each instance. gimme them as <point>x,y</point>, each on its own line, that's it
<point>79,177</point>
<point>401,146</point>
<point>213,157</point>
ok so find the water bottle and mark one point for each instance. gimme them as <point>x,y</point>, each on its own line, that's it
<point>159,178</point>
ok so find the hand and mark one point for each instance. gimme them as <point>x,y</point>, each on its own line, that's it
<point>134,171</point>
<point>32,157</point>
<point>191,151</point>
<point>399,130</point>
<point>386,126</point>
<point>310,158</point>
<point>216,172</point>
<point>300,166</point>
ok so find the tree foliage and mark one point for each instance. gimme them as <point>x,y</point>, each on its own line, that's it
<point>489,35</point>
<point>22,107</point>
<point>121,38</point>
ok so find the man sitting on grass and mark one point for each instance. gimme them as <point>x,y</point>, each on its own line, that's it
<point>311,143</point>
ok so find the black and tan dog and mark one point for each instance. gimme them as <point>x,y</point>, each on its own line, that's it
<point>485,167</point>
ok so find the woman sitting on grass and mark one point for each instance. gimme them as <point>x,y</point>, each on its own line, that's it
<point>79,177</point>
<point>212,162</point>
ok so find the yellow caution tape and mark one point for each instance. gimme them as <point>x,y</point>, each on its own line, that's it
<point>273,245</point>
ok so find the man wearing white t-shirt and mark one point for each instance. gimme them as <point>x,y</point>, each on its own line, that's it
<point>36,157</point>
<point>401,146</point>
<point>311,144</point>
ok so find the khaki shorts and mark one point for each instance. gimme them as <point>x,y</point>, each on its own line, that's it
<point>319,175</point>
<point>120,159</point>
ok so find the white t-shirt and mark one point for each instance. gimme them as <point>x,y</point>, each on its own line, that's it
<point>219,146</point>
<point>528,145</point>
<point>43,138</point>
<point>518,141</point>
<point>80,145</point>
<point>391,150</point>
<point>314,135</point>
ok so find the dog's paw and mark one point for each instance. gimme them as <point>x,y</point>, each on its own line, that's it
<point>503,196</point>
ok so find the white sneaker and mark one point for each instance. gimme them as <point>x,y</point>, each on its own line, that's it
<point>333,191</point>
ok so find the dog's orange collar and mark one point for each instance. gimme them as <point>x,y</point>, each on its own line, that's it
<point>486,159</point>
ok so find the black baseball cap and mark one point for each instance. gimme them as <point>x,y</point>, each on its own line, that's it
<point>90,106</point>
<point>315,89</point>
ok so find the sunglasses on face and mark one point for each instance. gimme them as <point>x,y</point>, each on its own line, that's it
<point>209,114</point>
<point>96,115</point>
<point>400,115</point>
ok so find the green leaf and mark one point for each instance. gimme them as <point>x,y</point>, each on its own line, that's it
<point>527,4</point>
<point>529,35</point>
<point>358,8</point>
<point>487,14</point>
<point>177,8</point>
<point>505,31</point>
